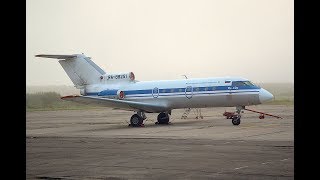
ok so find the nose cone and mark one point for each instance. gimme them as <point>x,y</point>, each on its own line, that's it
<point>265,95</point>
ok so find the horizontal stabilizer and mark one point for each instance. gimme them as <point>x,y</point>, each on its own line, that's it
<point>115,103</point>
<point>56,56</point>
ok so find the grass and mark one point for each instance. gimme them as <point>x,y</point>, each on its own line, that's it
<point>283,93</point>
<point>45,101</point>
<point>62,108</point>
<point>283,101</point>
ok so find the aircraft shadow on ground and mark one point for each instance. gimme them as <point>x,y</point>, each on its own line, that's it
<point>150,124</point>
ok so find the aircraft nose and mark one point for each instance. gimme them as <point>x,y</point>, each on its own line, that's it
<point>265,95</point>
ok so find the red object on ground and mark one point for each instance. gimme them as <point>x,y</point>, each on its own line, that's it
<point>262,114</point>
<point>228,114</point>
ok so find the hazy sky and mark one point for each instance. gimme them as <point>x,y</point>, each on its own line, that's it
<point>163,39</point>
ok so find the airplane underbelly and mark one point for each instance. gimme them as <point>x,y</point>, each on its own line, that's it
<point>242,99</point>
<point>221,100</point>
<point>203,100</point>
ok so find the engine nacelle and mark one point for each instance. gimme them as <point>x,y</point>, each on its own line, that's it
<point>118,77</point>
<point>112,93</point>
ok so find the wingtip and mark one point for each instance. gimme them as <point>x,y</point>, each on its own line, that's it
<point>40,55</point>
<point>70,96</point>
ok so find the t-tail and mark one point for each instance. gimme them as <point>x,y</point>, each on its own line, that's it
<point>80,69</point>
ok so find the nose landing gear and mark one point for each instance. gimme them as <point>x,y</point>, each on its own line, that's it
<point>235,116</point>
<point>236,119</point>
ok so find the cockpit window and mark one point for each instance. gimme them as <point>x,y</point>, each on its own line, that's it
<point>242,83</point>
<point>238,83</point>
<point>248,83</point>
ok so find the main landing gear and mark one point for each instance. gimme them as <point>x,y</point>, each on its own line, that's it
<point>136,120</point>
<point>163,118</point>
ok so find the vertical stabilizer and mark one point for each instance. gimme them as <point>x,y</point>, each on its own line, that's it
<point>80,69</point>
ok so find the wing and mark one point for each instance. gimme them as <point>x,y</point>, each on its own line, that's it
<point>56,56</point>
<point>118,104</point>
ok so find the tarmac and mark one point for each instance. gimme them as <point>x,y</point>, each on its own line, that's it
<point>98,144</point>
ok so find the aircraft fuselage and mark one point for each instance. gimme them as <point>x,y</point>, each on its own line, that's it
<point>186,93</point>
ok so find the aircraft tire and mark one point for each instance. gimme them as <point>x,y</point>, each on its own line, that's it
<point>136,120</point>
<point>236,120</point>
<point>163,118</point>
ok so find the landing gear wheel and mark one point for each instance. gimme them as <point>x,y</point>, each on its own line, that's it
<point>236,120</point>
<point>136,120</point>
<point>163,118</point>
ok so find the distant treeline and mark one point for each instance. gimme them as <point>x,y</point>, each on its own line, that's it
<point>50,101</point>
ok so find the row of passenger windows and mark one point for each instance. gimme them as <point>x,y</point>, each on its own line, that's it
<point>183,90</point>
<point>235,83</point>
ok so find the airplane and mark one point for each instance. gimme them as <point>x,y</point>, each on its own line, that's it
<point>123,91</point>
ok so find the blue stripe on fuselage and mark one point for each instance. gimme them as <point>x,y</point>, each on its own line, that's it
<point>132,92</point>
<point>167,91</point>
<point>183,94</point>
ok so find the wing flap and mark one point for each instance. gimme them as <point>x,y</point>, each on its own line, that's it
<point>115,103</point>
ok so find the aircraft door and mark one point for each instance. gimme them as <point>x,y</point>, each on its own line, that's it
<point>234,87</point>
<point>155,92</point>
<point>189,92</point>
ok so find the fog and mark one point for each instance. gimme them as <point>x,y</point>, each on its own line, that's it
<point>163,39</point>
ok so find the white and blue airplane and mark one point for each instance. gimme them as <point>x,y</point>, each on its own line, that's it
<point>122,91</point>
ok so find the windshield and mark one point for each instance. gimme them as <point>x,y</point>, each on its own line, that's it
<point>242,83</point>
<point>248,83</point>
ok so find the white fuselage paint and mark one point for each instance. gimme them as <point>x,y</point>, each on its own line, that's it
<point>186,93</point>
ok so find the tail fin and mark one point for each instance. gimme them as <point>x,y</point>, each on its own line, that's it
<point>80,69</point>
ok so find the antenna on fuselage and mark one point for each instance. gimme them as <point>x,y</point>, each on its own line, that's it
<point>185,76</point>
